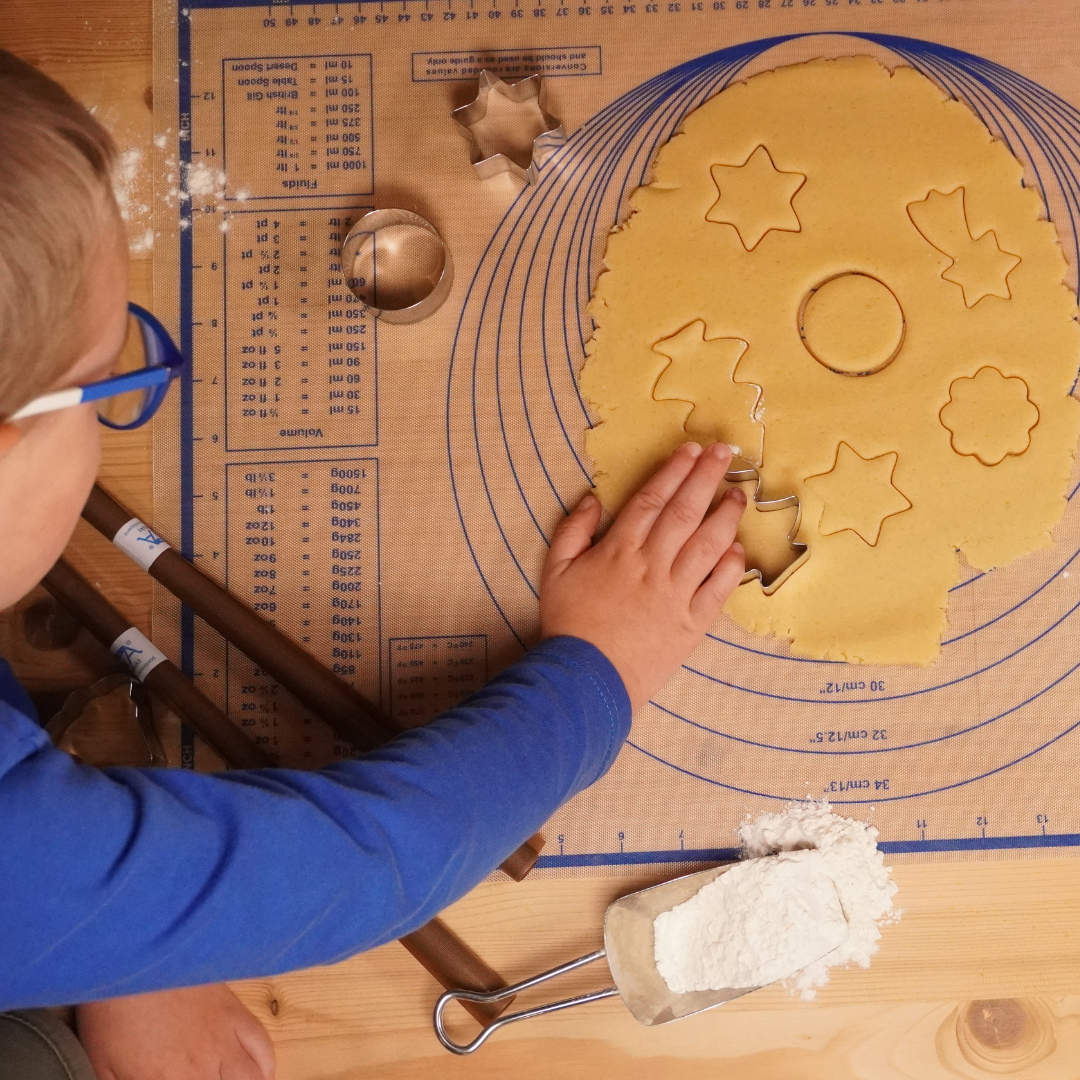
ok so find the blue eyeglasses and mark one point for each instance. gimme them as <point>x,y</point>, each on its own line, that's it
<point>148,362</point>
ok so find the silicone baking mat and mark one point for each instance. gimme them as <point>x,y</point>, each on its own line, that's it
<point>384,493</point>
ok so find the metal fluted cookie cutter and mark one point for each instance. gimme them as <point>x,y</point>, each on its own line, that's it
<point>629,948</point>
<point>739,476</point>
<point>75,705</point>
<point>517,142</point>
<point>396,263</point>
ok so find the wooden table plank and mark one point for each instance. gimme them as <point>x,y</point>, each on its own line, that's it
<point>976,931</point>
<point>1001,934</point>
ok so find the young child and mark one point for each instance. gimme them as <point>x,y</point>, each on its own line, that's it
<point>121,883</point>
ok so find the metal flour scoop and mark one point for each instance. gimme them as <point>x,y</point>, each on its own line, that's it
<point>628,946</point>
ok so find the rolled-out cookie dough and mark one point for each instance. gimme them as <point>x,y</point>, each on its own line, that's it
<point>907,190</point>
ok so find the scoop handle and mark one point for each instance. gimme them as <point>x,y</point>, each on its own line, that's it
<point>517,988</point>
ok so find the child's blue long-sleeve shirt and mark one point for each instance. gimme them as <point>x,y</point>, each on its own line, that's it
<point>120,881</point>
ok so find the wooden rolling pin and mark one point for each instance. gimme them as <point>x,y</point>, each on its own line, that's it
<point>152,668</point>
<point>444,954</point>
<point>354,718</point>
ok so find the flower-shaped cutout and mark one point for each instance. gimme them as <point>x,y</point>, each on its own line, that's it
<point>990,416</point>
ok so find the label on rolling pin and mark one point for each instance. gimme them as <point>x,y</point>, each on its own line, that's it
<point>140,542</point>
<point>137,652</point>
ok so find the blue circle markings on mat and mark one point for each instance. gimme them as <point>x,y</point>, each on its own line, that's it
<point>527,308</point>
<point>878,796</point>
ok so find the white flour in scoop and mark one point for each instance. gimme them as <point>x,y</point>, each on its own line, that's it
<point>783,917</point>
<point>757,923</point>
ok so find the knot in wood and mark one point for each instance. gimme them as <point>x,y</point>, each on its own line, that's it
<point>1004,1035</point>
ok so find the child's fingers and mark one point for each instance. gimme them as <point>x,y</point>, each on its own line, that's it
<point>682,516</point>
<point>574,535</point>
<point>714,536</point>
<point>710,599</point>
<point>637,517</point>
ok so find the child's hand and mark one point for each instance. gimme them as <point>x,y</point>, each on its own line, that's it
<point>199,1033</point>
<point>648,591</point>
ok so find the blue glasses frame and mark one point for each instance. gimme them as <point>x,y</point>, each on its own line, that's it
<point>164,363</point>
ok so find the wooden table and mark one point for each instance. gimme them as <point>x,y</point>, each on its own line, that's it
<point>981,978</point>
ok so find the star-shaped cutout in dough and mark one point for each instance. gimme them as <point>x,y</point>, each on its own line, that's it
<point>858,494</point>
<point>979,266</point>
<point>701,373</point>
<point>755,198</point>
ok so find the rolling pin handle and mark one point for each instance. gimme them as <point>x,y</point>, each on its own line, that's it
<point>517,988</point>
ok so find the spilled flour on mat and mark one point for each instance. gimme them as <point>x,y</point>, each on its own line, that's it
<point>195,186</point>
<point>212,185</point>
<point>812,895</point>
<point>203,179</point>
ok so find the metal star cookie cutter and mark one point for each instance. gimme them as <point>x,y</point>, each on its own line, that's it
<point>739,476</point>
<point>552,138</point>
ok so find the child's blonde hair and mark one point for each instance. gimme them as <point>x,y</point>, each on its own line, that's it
<point>56,166</point>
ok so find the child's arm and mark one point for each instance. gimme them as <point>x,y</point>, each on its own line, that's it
<point>122,881</point>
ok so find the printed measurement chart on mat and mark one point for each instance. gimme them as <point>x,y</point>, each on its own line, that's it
<point>384,493</point>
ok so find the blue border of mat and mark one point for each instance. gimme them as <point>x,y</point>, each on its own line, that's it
<point>888,847</point>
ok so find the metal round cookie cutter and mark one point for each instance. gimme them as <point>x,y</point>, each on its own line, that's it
<point>396,263</point>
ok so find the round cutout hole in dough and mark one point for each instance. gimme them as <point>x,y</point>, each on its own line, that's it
<point>852,324</point>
